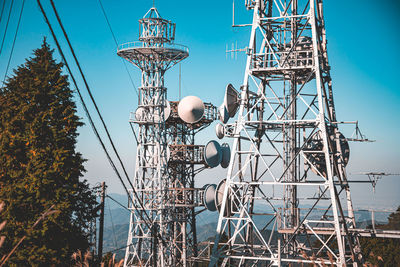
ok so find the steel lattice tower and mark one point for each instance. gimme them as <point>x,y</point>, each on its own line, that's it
<point>286,198</point>
<point>154,54</point>
<point>182,194</point>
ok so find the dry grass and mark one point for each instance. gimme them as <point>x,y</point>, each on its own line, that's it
<point>2,225</point>
<point>112,263</point>
<point>80,260</point>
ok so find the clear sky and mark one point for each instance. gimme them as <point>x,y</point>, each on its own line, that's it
<point>363,41</point>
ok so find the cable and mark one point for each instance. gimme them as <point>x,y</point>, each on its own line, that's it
<point>111,251</point>
<point>118,202</point>
<point>81,98</point>
<point>13,44</point>
<point>5,31</point>
<point>88,89</point>
<point>89,92</point>
<point>2,9</point>
<point>116,44</point>
<point>108,22</point>
<point>112,224</point>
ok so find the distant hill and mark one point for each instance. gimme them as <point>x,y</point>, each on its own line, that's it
<point>117,223</point>
<point>115,238</point>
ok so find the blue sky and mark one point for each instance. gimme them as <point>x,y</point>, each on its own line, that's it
<point>363,40</point>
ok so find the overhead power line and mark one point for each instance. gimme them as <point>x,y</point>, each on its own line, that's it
<point>5,31</point>
<point>81,98</point>
<point>2,9</point>
<point>119,203</point>
<point>112,224</point>
<point>108,22</point>
<point>91,121</point>
<point>89,91</point>
<point>116,45</point>
<point>13,44</point>
<point>115,250</point>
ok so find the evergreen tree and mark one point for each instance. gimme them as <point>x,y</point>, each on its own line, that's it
<point>39,165</point>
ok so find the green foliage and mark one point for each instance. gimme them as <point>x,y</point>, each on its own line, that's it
<point>383,252</point>
<point>39,165</point>
<point>394,221</point>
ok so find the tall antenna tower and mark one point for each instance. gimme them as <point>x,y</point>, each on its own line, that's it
<point>286,199</point>
<point>154,54</point>
<point>162,230</point>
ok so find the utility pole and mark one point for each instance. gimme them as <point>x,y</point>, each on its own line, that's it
<point>101,229</point>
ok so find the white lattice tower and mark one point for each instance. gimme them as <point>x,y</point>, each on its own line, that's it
<point>286,199</point>
<point>153,54</point>
<point>183,196</point>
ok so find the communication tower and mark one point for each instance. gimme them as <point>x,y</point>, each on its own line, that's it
<point>153,55</point>
<point>162,229</point>
<point>286,198</point>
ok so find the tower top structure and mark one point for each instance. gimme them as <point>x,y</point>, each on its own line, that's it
<point>156,30</point>
<point>156,43</point>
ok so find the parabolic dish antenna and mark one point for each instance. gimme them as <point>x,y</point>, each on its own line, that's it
<point>226,155</point>
<point>140,114</point>
<point>191,109</point>
<point>212,154</point>
<point>219,195</point>
<point>231,100</point>
<point>223,114</point>
<point>220,130</point>
<point>167,112</point>
<point>209,197</point>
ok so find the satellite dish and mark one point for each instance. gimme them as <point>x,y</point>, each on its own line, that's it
<point>223,114</point>
<point>168,153</point>
<point>212,154</point>
<point>191,109</point>
<point>220,130</point>
<point>209,197</point>
<point>167,112</point>
<point>226,155</point>
<point>231,100</point>
<point>219,195</point>
<point>140,114</point>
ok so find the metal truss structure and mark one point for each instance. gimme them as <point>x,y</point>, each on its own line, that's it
<point>182,194</point>
<point>154,54</point>
<point>286,199</point>
<point>162,229</point>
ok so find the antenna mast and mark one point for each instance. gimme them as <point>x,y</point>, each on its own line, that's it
<point>166,153</point>
<point>154,54</point>
<point>286,138</point>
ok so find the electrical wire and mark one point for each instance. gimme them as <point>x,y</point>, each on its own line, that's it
<point>2,9</point>
<point>5,31</point>
<point>116,44</point>
<point>118,203</point>
<point>81,98</point>
<point>13,44</point>
<point>111,251</point>
<point>96,107</point>
<point>112,224</point>
<point>90,92</point>
<point>115,151</point>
